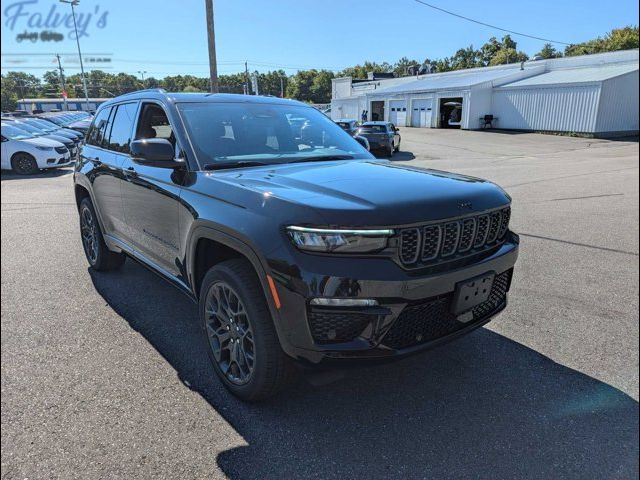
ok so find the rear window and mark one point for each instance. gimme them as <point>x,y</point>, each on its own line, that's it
<point>374,128</point>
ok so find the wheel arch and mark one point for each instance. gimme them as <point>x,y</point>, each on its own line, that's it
<point>201,255</point>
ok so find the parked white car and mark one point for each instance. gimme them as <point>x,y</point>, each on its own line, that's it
<point>26,154</point>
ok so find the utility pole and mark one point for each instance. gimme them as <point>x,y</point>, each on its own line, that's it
<point>64,89</point>
<point>73,3</point>
<point>213,65</point>
<point>246,79</point>
<point>281,86</point>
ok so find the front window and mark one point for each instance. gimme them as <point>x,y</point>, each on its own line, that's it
<point>264,133</point>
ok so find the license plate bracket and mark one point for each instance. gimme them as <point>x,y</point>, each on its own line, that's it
<point>472,292</point>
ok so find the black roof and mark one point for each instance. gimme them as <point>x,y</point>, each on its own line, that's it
<point>196,97</point>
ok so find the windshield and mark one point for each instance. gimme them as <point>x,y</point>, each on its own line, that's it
<point>373,128</point>
<point>14,133</point>
<point>266,133</point>
<point>28,128</point>
<point>44,125</point>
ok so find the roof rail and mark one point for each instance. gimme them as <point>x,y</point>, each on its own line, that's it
<point>158,90</point>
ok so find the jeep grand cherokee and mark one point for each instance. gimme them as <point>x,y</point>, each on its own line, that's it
<point>298,249</point>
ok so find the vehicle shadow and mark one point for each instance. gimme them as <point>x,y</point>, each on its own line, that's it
<point>397,156</point>
<point>402,156</point>
<point>481,407</point>
<point>48,173</point>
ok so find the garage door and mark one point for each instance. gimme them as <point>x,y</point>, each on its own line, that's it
<point>398,112</point>
<point>421,113</point>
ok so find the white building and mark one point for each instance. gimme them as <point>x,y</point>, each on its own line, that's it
<point>591,94</point>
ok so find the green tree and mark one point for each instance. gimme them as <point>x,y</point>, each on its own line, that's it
<point>508,55</point>
<point>8,95</point>
<point>25,84</point>
<point>360,72</point>
<point>466,58</point>
<point>617,39</point>
<point>548,51</point>
<point>401,66</point>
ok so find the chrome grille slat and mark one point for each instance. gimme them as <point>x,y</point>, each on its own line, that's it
<point>447,239</point>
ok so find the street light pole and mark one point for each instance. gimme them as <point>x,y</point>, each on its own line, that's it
<point>73,3</point>
<point>211,37</point>
<point>142,75</point>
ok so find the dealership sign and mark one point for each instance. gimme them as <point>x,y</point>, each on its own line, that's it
<point>50,21</point>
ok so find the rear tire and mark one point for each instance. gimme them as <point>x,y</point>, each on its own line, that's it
<point>95,249</point>
<point>24,164</point>
<point>390,150</point>
<point>242,341</point>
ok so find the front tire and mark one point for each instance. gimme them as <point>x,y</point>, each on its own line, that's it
<point>98,254</point>
<point>243,344</point>
<point>24,164</point>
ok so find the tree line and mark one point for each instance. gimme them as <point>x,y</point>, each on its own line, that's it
<point>312,85</point>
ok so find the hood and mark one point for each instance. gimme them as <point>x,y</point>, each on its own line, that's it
<point>369,192</point>
<point>66,141</point>
<point>42,142</point>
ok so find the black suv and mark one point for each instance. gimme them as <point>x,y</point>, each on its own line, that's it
<point>298,250</point>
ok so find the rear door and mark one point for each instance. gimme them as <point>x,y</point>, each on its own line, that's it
<point>123,117</point>
<point>105,174</point>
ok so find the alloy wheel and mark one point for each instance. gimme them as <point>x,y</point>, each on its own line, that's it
<point>24,164</point>
<point>229,332</point>
<point>89,235</point>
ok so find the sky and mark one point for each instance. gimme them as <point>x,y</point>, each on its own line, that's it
<point>168,37</point>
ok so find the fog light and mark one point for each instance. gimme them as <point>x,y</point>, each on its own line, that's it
<point>344,302</point>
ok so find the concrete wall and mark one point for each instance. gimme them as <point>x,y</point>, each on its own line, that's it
<point>618,110</point>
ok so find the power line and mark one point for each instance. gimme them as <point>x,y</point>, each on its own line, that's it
<point>489,25</point>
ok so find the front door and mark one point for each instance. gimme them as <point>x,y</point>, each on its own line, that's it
<point>151,197</point>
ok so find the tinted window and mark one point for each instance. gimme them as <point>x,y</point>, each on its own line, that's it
<point>95,135</point>
<point>373,128</point>
<point>122,127</point>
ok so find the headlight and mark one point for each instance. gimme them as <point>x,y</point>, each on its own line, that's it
<point>46,149</point>
<point>338,240</point>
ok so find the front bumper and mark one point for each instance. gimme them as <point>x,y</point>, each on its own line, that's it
<point>413,312</point>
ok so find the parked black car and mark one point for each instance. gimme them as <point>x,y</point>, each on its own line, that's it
<point>297,253</point>
<point>349,125</point>
<point>382,136</point>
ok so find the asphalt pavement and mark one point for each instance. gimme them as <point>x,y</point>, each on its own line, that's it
<point>105,375</point>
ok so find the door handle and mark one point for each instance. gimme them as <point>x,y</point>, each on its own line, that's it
<point>130,172</point>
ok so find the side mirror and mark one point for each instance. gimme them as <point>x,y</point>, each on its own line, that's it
<point>362,141</point>
<point>154,152</point>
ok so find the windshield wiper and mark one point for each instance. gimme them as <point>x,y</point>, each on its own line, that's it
<point>321,158</point>
<point>238,164</point>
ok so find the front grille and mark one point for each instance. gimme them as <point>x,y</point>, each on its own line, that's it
<point>62,149</point>
<point>432,319</point>
<point>336,327</point>
<point>441,241</point>
<point>409,244</point>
